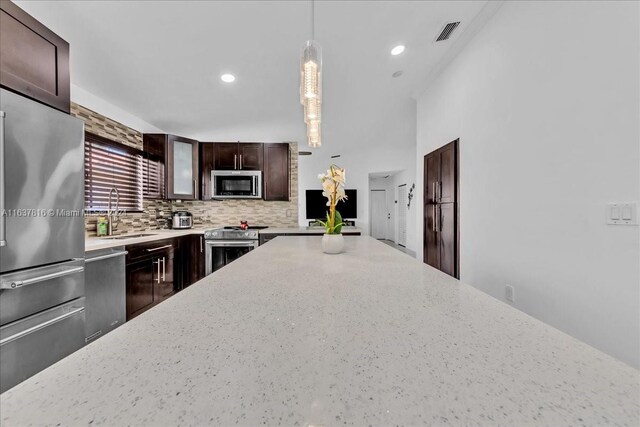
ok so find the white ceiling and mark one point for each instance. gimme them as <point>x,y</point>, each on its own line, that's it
<point>161,61</point>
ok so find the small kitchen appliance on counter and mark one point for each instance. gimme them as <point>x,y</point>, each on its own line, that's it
<point>181,220</point>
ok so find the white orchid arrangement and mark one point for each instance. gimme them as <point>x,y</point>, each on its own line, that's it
<point>333,189</point>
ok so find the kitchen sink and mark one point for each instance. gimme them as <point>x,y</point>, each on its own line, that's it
<point>127,236</point>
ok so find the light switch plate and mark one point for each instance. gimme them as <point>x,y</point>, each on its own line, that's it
<point>624,213</point>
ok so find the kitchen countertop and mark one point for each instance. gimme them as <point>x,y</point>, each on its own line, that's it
<point>305,230</point>
<point>288,335</point>
<point>97,243</point>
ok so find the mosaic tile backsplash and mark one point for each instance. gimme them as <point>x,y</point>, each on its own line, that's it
<point>157,213</point>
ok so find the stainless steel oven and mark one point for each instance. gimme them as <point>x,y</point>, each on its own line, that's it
<point>236,184</point>
<point>225,245</point>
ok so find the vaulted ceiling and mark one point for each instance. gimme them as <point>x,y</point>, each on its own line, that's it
<point>162,61</point>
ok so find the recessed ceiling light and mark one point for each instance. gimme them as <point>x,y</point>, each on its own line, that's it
<point>397,74</point>
<point>228,78</point>
<point>397,50</point>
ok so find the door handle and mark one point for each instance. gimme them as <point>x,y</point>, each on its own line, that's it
<point>3,218</point>
<point>201,244</point>
<point>19,283</point>
<point>235,161</point>
<point>439,188</point>
<point>433,191</point>
<point>240,161</point>
<point>164,269</point>
<point>158,262</point>
<point>433,223</point>
<point>195,185</point>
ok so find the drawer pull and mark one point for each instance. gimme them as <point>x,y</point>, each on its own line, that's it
<point>41,326</point>
<point>20,283</point>
<point>159,247</point>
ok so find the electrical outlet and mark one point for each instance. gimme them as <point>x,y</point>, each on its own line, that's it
<point>509,293</point>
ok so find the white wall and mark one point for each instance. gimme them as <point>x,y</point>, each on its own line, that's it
<point>545,100</point>
<point>99,105</point>
<point>393,149</point>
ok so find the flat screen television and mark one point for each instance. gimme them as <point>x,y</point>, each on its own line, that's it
<point>317,205</point>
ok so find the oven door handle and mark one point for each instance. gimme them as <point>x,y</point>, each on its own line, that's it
<point>230,243</point>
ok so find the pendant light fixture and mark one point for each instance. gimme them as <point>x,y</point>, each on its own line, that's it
<point>311,85</point>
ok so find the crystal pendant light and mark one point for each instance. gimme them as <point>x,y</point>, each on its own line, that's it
<point>311,85</point>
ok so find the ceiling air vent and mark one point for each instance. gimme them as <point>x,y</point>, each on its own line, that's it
<point>447,30</point>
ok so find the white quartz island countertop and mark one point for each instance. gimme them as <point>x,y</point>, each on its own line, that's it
<point>289,336</point>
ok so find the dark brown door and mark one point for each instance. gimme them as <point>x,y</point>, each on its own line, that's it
<point>446,224</point>
<point>165,280</point>
<point>431,240</point>
<point>34,61</point>
<point>197,258</point>
<point>250,156</point>
<point>140,278</point>
<point>226,156</point>
<point>431,176</point>
<point>206,166</point>
<point>276,171</point>
<point>441,198</point>
<point>447,171</point>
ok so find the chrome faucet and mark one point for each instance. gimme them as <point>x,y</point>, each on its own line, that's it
<point>113,217</point>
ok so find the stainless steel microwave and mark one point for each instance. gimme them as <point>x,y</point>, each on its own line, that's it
<point>236,184</point>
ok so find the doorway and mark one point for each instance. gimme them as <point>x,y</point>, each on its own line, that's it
<point>441,197</point>
<point>379,214</point>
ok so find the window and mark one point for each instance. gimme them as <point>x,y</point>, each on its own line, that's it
<point>108,164</point>
<point>153,178</point>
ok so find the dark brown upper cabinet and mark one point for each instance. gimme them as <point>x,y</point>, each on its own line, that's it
<point>206,166</point>
<point>34,61</point>
<point>276,172</point>
<point>238,156</point>
<point>181,160</point>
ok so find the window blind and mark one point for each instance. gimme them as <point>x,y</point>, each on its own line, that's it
<point>108,164</point>
<point>153,178</point>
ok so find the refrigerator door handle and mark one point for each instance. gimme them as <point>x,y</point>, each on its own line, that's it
<point>19,283</point>
<point>3,216</point>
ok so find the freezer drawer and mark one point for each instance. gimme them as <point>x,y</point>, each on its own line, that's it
<point>30,345</point>
<point>27,292</point>
<point>105,290</point>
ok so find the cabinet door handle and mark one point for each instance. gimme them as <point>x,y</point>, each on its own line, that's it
<point>240,161</point>
<point>3,219</point>
<point>433,223</point>
<point>433,191</point>
<point>201,245</point>
<point>164,269</point>
<point>195,185</point>
<point>235,161</point>
<point>158,262</point>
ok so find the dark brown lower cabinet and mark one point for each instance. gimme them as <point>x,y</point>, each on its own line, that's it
<point>153,275</point>
<point>193,259</point>
<point>441,200</point>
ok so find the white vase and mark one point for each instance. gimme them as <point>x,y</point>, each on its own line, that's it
<point>332,243</point>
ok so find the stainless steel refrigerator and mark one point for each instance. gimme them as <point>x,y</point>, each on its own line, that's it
<point>41,237</point>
